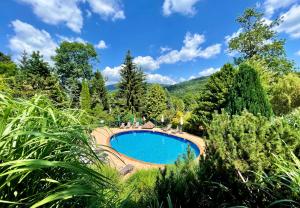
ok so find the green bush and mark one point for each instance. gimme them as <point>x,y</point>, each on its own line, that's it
<point>240,152</point>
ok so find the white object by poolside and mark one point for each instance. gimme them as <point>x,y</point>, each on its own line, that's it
<point>181,120</point>
<point>128,125</point>
<point>175,131</point>
<point>167,128</point>
<point>122,126</point>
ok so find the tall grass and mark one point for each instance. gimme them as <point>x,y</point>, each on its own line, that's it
<point>289,178</point>
<point>45,155</point>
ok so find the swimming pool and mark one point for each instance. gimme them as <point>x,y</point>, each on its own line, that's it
<point>151,147</point>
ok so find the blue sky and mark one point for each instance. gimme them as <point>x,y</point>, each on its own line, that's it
<point>172,40</point>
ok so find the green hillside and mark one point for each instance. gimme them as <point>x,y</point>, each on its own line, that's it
<point>191,86</point>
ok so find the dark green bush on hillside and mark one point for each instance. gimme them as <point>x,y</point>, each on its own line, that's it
<point>247,93</point>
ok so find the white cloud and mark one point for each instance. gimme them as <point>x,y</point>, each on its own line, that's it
<point>298,53</point>
<point>190,50</point>
<point>185,7</point>
<point>208,71</point>
<point>112,74</point>
<point>101,45</point>
<point>192,77</point>
<point>71,39</point>
<point>228,38</point>
<point>210,51</point>
<point>107,9</point>
<point>56,12</point>
<point>291,22</point>
<point>181,79</point>
<point>273,5</point>
<point>160,79</point>
<point>165,49</point>
<point>31,39</point>
<point>146,62</point>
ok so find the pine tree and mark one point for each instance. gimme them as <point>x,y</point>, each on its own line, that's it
<point>156,101</point>
<point>247,93</point>
<point>24,62</point>
<point>99,92</point>
<point>37,65</point>
<point>85,98</point>
<point>131,85</point>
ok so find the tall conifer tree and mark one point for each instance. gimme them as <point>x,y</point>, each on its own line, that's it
<point>99,92</point>
<point>247,93</point>
<point>85,97</point>
<point>132,85</point>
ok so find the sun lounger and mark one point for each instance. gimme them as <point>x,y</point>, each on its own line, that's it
<point>128,126</point>
<point>167,128</point>
<point>122,126</point>
<point>127,169</point>
<point>137,125</point>
<point>175,131</point>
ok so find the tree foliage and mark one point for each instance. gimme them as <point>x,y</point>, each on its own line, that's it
<point>73,63</point>
<point>178,104</point>
<point>85,97</point>
<point>214,97</point>
<point>98,91</point>
<point>7,67</point>
<point>240,152</point>
<point>247,93</point>
<point>155,101</point>
<point>132,85</point>
<point>258,39</point>
<point>285,94</point>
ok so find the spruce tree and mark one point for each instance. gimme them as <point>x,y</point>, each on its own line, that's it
<point>85,98</point>
<point>98,91</point>
<point>131,85</point>
<point>247,93</point>
<point>37,66</point>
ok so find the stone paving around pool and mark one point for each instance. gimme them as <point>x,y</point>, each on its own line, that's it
<point>117,160</point>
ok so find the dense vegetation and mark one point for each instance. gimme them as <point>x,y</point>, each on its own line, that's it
<point>248,113</point>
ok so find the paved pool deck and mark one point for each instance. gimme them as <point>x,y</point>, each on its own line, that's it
<point>118,160</point>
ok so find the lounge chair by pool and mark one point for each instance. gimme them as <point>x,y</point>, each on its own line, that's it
<point>167,128</point>
<point>175,131</point>
<point>137,125</point>
<point>122,126</point>
<point>127,169</point>
<point>128,126</point>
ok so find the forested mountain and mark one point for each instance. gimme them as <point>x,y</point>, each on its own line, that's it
<point>193,85</point>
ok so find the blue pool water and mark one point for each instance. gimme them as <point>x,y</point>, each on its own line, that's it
<point>152,147</point>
